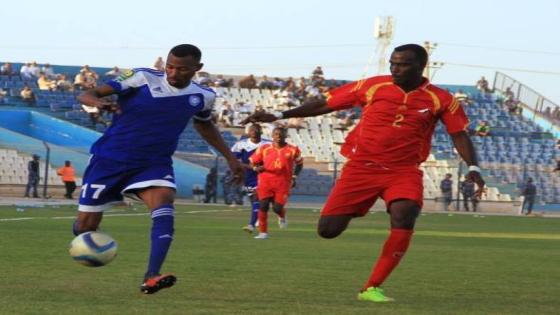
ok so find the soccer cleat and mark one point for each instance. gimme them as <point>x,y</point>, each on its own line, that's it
<point>374,294</point>
<point>156,283</point>
<point>261,236</point>
<point>249,228</point>
<point>283,223</point>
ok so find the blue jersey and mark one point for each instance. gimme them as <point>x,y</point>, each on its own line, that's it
<point>154,114</point>
<point>242,150</point>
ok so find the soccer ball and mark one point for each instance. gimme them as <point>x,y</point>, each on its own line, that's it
<point>93,249</point>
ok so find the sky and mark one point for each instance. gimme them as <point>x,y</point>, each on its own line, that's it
<point>290,37</point>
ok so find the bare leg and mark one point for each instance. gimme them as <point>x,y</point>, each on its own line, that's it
<point>333,225</point>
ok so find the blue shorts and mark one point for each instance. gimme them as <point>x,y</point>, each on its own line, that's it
<point>106,182</point>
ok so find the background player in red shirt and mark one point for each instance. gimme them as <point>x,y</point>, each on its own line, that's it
<point>385,150</point>
<point>275,164</point>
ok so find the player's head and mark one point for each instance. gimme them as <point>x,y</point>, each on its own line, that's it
<point>67,163</point>
<point>279,135</point>
<point>407,63</point>
<point>36,156</point>
<point>254,132</point>
<point>183,61</point>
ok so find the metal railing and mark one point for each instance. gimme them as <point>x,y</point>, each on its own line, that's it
<point>529,98</point>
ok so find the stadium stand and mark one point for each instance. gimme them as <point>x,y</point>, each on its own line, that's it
<point>516,147</point>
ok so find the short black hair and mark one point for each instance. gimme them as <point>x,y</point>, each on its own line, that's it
<point>258,126</point>
<point>185,50</point>
<point>281,128</point>
<point>419,51</point>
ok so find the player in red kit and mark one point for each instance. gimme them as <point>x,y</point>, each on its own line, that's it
<point>385,150</point>
<point>278,164</point>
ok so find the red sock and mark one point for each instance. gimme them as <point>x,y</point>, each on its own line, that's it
<point>393,250</point>
<point>263,221</point>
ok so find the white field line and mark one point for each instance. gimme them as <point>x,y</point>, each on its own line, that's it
<point>117,215</point>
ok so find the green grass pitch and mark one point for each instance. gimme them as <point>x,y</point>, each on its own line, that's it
<point>458,264</point>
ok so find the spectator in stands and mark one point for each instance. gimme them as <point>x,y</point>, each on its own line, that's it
<point>259,108</point>
<point>266,83</point>
<point>446,191</point>
<point>210,188</point>
<point>220,81</point>
<point>159,64</point>
<point>3,96</point>
<point>508,94</point>
<point>67,174</point>
<point>45,84</point>
<point>461,97</point>
<point>33,176</point>
<point>467,190</point>
<point>248,82</point>
<point>317,74</point>
<point>34,70</point>
<point>203,78</point>
<point>48,71</point>
<point>278,83</point>
<point>25,72</point>
<point>482,85</point>
<point>482,129</point>
<point>555,113</point>
<point>558,161</point>
<point>84,81</point>
<point>226,115</point>
<point>62,84</point>
<point>89,72</point>
<point>313,91</point>
<point>27,95</point>
<point>113,73</point>
<point>232,191</point>
<point>7,69</point>
<point>529,193</point>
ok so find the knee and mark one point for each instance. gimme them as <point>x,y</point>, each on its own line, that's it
<point>405,220</point>
<point>331,227</point>
<point>328,231</point>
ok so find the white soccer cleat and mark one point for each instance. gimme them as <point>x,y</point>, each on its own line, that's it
<point>283,223</point>
<point>249,228</point>
<point>261,236</point>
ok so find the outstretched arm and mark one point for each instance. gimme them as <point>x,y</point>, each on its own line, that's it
<point>464,146</point>
<point>211,134</point>
<point>314,107</point>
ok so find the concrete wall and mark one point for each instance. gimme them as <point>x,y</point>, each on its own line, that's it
<point>25,131</point>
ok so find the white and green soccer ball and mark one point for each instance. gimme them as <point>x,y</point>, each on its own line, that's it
<point>93,249</point>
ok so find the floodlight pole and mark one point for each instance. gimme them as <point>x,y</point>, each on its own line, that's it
<point>383,32</point>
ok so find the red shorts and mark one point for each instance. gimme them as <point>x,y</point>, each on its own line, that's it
<point>277,188</point>
<point>361,183</point>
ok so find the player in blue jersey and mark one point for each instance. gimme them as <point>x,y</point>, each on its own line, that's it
<point>133,157</point>
<point>242,150</point>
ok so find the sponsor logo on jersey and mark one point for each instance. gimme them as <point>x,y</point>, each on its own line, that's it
<point>157,89</point>
<point>127,74</point>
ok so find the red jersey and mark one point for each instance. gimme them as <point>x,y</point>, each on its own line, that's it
<point>278,162</point>
<point>396,127</point>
